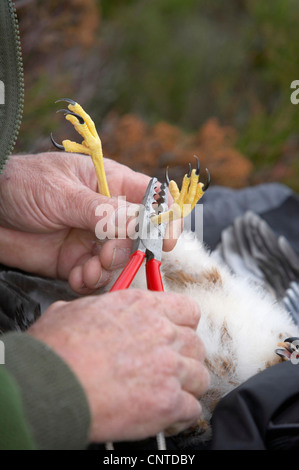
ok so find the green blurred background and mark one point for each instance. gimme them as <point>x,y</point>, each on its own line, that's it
<point>164,79</point>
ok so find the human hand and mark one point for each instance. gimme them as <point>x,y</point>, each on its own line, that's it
<point>137,356</point>
<point>48,217</point>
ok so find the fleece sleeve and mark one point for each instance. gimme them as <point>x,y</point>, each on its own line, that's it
<point>54,404</point>
<point>14,431</point>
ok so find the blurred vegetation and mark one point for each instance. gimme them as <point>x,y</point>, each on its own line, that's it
<point>184,62</point>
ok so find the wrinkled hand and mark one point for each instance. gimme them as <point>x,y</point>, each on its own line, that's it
<point>138,357</point>
<point>48,217</point>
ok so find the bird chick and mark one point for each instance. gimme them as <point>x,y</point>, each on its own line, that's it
<point>241,325</point>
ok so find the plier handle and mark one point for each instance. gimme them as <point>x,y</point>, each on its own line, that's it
<point>149,241</point>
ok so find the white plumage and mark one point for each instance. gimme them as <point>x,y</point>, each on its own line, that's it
<point>240,324</point>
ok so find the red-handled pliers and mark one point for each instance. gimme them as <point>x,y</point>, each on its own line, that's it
<point>148,244</point>
<point>149,240</point>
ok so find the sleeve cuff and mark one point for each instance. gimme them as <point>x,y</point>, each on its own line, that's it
<point>54,401</point>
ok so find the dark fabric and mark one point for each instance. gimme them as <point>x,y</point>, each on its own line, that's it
<point>17,309</point>
<point>284,220</point>
<point>261,414</point>
<point>42,292</point>
<point>222,205</point>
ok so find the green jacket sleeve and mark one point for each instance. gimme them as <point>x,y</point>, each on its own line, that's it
<point>14,431</point>
<point>51,406</point>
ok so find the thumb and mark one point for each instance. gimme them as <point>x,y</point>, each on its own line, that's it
<point>107,217</point>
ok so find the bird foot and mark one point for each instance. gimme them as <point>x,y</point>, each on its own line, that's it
<point>184,200</point>
<point>91,144</point>
<point>289,349</point>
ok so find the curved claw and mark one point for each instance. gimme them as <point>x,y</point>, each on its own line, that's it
<point>66,111</point>
<point>68,100</point>
<point>189,171</point>
<point>197,165</point>
<point>207,183</point>
<point>290,340</point>
<point>166,176</point>
<point>60,147</point>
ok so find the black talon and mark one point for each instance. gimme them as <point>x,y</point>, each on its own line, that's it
<point>60,147</point>
<point>167,177</point>
<point>207,183</point>
<point>66,111</point>
<point>67,100</point>
<point>189,171</point>
<point>290,340</point>
<point>282,353</point>
<point>197,165</point>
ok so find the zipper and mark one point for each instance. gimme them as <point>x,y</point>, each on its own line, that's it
<point>12,80</point>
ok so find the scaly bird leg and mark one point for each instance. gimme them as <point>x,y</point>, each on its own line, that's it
<point>185,200</point>
<point>91,144</point>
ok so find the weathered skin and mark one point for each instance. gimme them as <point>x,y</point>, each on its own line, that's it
<point>147,360</point>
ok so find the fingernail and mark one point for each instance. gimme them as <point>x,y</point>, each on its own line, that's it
<point>120,257</point>
<point>104,277</point>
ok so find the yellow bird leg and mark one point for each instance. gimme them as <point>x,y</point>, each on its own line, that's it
<point>184,200</point>
<point>174,190</point>
<point>184,190</point>
<point>87,119</point>
<point>91,144</point>
<point>192,188</point>
<point>198,195</point>
<point>73,147</point>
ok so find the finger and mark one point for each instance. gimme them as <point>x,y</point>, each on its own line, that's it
<point>180,309</point>
<point>193,375</point>
<point>115,254</point>
<point>190,412</point>
<point>94,276</point>
<point>172,234</point>
<point>85,209</point>
<point>75,280</point>
<point>134,184</point>
<point>85,278</point>
<point>189,344</point>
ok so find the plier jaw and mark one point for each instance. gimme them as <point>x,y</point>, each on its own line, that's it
<point>149,240</point>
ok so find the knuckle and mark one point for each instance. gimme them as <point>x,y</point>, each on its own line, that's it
<point>192,345</point>
<point>168,363</point>
<point>167,330</point>
<point>192,338</point>
<point>57,305</point>
<point>133,297</point>
<point>169,399</point>
<point>187,308</point>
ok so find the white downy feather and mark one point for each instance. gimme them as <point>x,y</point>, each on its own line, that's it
<point>240,323</point>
